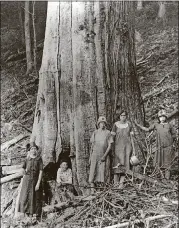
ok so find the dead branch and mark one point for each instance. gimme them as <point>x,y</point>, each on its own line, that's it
<point>148,220</point>
<point>140,176</point>
<point>13,141</point>
<point>173,113</point>
<point>158,91</point>
<point>166,76</point>
<point>21,125</point>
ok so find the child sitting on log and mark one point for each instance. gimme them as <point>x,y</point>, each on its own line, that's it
<point>64,188</point>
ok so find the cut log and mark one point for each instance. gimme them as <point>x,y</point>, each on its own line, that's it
<point>7,172</point>
<point>13,141</point>
<point>11,177</point>
<point>12,167</point>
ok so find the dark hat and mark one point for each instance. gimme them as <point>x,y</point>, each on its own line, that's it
<point>32,144</point>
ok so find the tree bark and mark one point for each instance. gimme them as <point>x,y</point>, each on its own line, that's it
<point>28,38</point>
<point>88,70</point>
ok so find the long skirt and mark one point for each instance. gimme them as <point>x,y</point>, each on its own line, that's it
<point>164,157</point>
<point>30,201</point>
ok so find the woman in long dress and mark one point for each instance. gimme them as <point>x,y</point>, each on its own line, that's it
<point>30,201</point>
<point>99,160</point>
<point>122,131</point>
<point>165,135</point>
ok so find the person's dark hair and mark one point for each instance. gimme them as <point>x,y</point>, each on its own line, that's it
<point>123,111</point>
<point>33,145</point>
<point>27,147</point>
<point>64,160</point>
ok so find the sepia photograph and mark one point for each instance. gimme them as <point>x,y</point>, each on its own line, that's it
<point>89,114</point>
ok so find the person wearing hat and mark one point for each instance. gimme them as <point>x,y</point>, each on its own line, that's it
<point>122,131</point>
<point>30,201</point>
<point>99,160</point>
<point>165,135</point>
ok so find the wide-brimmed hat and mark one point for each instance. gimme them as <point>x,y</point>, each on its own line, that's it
<point>162,113</point>
<point>101,119</point>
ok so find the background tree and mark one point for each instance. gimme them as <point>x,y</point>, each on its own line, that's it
<point>28,38</point>
<point>162,9</point>
<point>34,36</point>
<point>88,69</point>
<point>139,5</point>
<point>21,21</point>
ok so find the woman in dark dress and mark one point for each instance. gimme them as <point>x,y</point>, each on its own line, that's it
<point>165,135</point>
<point>31,192</point>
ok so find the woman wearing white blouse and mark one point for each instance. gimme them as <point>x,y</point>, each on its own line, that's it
<point>64,174</point>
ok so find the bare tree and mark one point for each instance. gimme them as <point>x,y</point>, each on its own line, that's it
<point>88,69</point>
<point>28,38</point>
<point>162,9</point>
<point>139,5</point>
<point>21,21</point>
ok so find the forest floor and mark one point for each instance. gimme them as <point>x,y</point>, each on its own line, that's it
<point>157,57</point>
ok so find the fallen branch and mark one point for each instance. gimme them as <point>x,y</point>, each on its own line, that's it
<point>64,205</point>
<point>16,157</point>
<point>158,91</point>
<point>7,205</point>
<point>148,220</point>
<point>140,176</point>
<point>21,125</point>
<point>13,141</point>
<point>173,113</point>
<point>120,225</point>
<point>166,76</point>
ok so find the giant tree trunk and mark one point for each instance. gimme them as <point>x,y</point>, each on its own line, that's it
<point>88,69</point>
<point>27,38</point>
